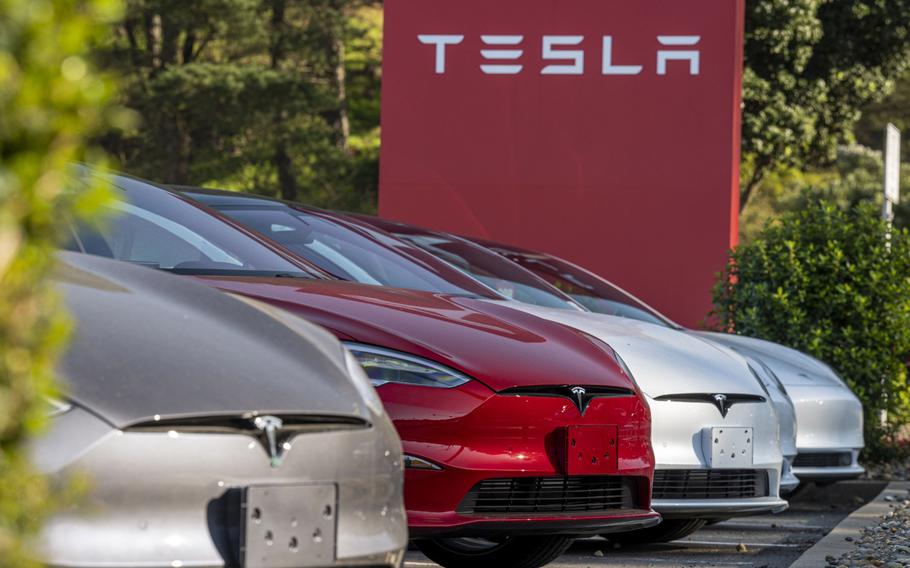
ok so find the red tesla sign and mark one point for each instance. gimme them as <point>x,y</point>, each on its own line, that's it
<point>603,131</point>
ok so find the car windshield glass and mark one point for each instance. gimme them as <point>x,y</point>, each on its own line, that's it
<point>592,292</point>
<point>150,226</point>
<point>498,273</point>
<point>339,250</point>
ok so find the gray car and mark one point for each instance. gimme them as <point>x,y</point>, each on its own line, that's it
<point>213,431</point>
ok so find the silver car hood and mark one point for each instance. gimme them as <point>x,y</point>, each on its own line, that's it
<point>792,367</point>
<point>147,345</point>
<point>663,360</point>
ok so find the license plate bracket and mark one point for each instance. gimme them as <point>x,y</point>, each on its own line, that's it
<point>592,450</point>
<point>289,526</point>
<point>729,447</point>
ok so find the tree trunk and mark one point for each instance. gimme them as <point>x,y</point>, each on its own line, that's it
<point>758,174</point>
<point>344,124</point>
<point>287,179</point>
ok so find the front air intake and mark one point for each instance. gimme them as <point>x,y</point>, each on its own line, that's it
<point>682,484</point>
<point>824,459</point>
<point>550,495</point>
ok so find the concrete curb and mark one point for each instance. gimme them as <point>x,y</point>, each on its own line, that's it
<point>834,543</point>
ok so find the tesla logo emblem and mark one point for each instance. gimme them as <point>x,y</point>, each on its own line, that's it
<point>502,54</point>
<point>579,398</point>
<point>269,427</point>
<point>721,401</point>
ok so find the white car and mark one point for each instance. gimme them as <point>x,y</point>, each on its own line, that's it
<point>829,415</point>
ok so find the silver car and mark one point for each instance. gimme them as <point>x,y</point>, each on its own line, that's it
<point>830,434</point>
<point>213,432</point>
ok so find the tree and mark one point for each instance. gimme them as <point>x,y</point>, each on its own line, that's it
<point>810,66</point>
<point>855,178</point>
<point>50,101</point>
<point>895,108</point>
<point>245,94</point>
<point>833,283</point>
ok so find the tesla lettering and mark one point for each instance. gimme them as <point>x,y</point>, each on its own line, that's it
<point>576,55</point>
<point>609,68</point>
<point>501,54</point>
<point>440,41</point>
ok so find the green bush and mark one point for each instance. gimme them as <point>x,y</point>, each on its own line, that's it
<point>824,280</point>
<point>50,101</point>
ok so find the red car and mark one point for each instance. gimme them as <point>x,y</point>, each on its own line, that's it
<point>519,434</point>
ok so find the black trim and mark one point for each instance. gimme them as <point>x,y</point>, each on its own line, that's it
<point>701,484</point>
<point>823,459</point>
<point>723,401</point>
<point>564,495</point>
<point>578,527</point>
<point>580,398</point>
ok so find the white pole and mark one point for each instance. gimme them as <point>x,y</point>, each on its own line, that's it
<point>892,156</point>
<point>892,163</point>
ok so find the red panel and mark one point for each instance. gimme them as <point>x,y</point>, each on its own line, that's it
<point>591,450</point>
<point>631,175</point>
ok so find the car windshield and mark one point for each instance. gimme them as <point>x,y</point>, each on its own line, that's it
<point>498,273</point>
<point>337,249</point>
<point>587,289</point>
<point>150,226</point>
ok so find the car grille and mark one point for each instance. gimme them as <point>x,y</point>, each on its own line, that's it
<point>830,459</point>
<point>572,494</point>
<point>672,484</point>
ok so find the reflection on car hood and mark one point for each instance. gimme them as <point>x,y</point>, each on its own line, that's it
<point>492,343</point>
<point>147,343</point>
<point>663,360</point>
<point>792,367</point>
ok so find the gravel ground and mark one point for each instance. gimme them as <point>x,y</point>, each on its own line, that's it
<point>898,471</point>
<point>886,545</point>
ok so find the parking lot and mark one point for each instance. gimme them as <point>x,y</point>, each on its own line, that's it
<point>770,541</point>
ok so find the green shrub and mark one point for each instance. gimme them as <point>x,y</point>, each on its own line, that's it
<point>50,101</point>
<point>824,280</point>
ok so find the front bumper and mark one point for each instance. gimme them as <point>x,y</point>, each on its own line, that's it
<point>679,429</point>
<point>719,509</point>
<point>473,434</point>
<point>823,473</point>
<point>164,499</point>
<point>788,480</point>
<point>830,419</point>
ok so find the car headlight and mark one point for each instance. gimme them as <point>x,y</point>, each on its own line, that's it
<point>56,407</point>
<point>363,384</point>
<point>831,370</point>
<point>385,366</point>
<point>767,379</point>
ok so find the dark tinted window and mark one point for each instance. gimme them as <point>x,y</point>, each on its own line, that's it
<point>153,227</point>
<point>498,273</point>
<point>587,289</point>
<point>340,250</point>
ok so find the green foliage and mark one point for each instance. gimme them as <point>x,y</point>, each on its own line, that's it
<point>50,100</point>
<point>894,108</point>
<point>856,177</point>
<point>279,97</point>
<point>810,66</point>
<point>824,281</point>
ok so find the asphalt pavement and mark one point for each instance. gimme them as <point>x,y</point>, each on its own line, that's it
<point>771,541</point>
